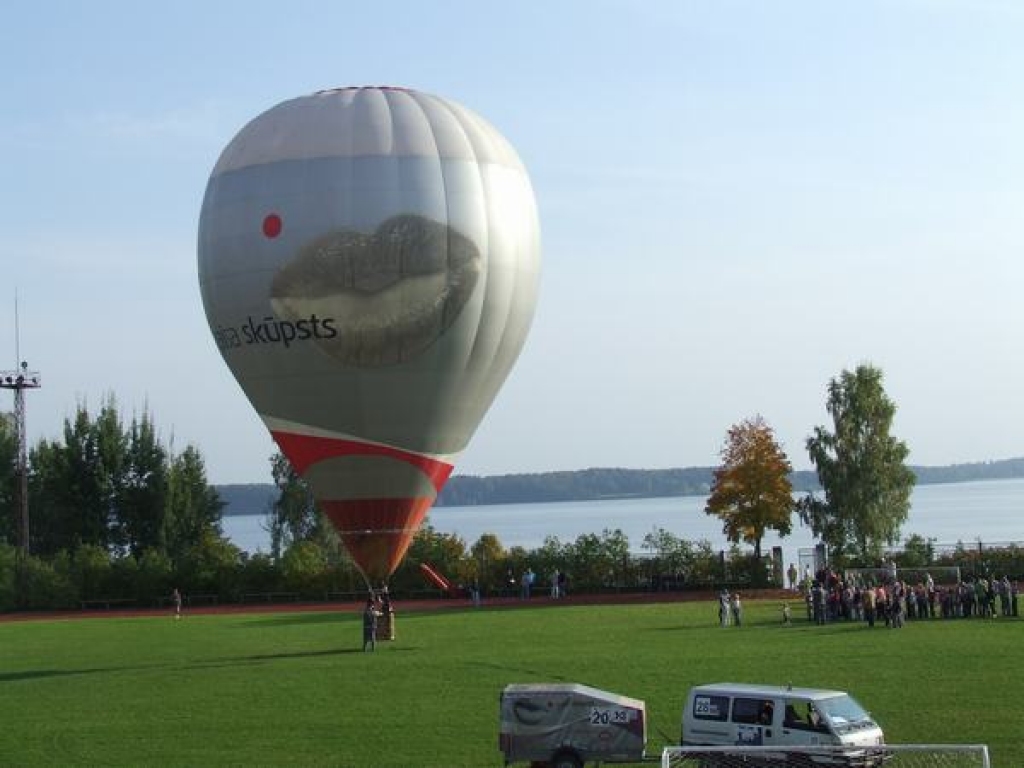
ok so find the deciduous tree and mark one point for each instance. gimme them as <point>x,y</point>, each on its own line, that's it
<point>69,490</point>
<point>117,489</point>
<point>675,558</point>
<point>488,557</point>
<point>9,500</point>
<point>294,516</point>
<point>142,502</point>
<point>751,491</point>
<point>193,508</point>
<point>861,467</point>
<point>599,560</point>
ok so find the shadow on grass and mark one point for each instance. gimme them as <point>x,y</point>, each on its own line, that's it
<point>214,663</point>
<point>546,674</point>
<point>259,658</point>
<point>42,674</point>
<point>833,627</point>
<point>681,628</point>
<point>298,619</point>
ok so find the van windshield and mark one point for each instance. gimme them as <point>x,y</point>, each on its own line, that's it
<point>842,710</point>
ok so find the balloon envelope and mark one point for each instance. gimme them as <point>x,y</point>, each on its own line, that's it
<point>368,262</point>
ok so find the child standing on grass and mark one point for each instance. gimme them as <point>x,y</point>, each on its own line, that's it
<point>737,609</point>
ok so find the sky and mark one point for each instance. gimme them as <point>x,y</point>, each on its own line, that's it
<point>738,201</point>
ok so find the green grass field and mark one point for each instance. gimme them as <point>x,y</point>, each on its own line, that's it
<point>294,688</point>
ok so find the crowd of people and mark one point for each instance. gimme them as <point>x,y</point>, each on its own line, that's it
<point>831,597</point>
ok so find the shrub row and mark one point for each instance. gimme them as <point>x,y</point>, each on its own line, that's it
<point>220,571</point>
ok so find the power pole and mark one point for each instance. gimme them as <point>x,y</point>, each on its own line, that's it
<point>19,381</point>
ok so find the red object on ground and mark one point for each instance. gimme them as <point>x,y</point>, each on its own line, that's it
<point>435,578</point>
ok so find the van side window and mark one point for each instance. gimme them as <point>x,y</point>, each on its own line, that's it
<point>748,711</point>
<point>802,716</point>
<point>711,708</point>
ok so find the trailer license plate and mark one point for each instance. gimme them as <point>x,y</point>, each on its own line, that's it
<point>609,715</point>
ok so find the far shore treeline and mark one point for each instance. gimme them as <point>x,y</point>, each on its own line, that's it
<point>119,517</point>
<point>611,483</point>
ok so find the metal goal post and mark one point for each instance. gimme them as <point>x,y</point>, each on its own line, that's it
<point>888,755</point>
<point>941,575</point>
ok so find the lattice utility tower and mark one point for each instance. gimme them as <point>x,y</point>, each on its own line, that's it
<point>19,381</point>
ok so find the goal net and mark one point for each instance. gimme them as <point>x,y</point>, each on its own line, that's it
<point>889,755</point>
<point>941,575</point>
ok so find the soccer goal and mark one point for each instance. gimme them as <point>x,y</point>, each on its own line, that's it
<point>890,755</point>
<point>941,575</point>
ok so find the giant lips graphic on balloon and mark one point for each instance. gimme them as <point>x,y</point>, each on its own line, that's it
<point>368,261</point>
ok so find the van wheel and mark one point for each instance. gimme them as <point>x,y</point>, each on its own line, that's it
<point>566,759</point>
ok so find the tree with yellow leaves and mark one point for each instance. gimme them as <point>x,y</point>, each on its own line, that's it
<point>752,492</point>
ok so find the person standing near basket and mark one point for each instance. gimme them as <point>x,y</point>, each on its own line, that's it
<point>370,616</point>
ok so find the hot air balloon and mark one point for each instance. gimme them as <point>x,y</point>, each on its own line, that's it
<point>368,262</point>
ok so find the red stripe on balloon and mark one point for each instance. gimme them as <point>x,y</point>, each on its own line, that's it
<point>305,450</point>
<point>377,532</point>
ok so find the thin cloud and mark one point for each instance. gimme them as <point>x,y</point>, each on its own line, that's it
<point>200,124</point>
<point>195,123</point>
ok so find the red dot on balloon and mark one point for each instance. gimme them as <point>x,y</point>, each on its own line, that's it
<point>272,225</point>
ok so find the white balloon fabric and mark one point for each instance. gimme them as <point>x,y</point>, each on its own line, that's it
<point>369,262</point>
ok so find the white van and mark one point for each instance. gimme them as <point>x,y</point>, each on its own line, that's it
<point>738,714</point>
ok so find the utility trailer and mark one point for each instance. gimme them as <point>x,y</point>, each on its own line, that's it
<point>565,725</point>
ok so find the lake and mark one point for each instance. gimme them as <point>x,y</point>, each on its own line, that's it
<point>991,511</point>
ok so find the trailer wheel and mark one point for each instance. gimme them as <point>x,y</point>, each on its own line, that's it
<point>566,759</point>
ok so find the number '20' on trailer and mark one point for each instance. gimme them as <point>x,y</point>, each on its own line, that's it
<point>567,725</point>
